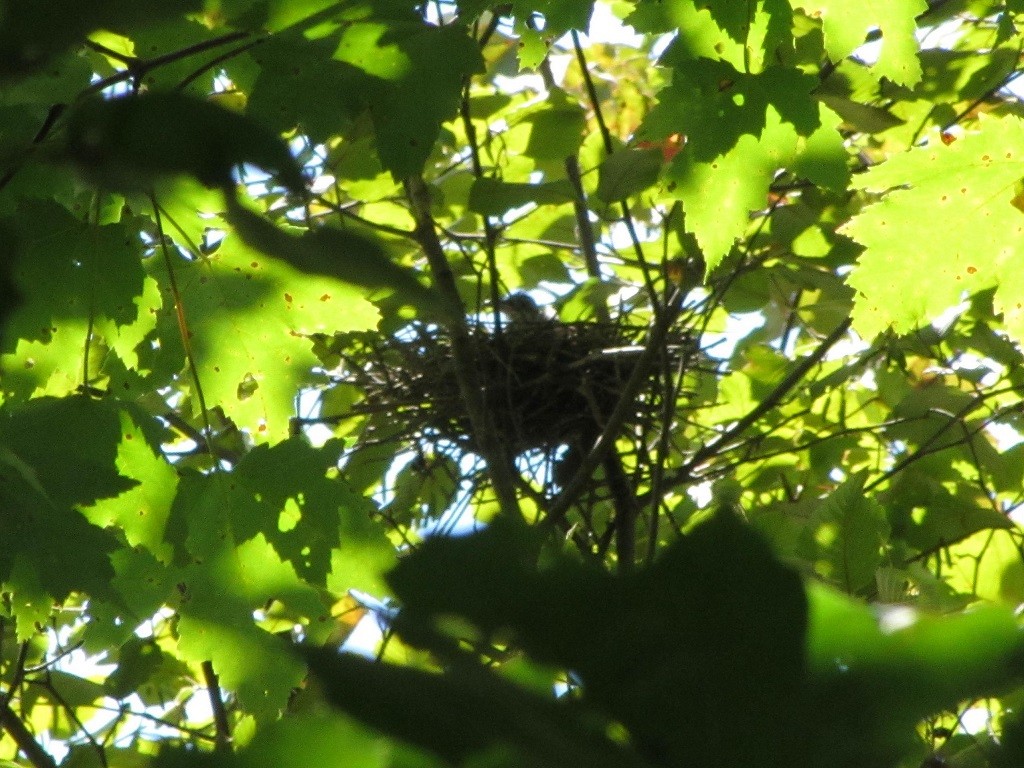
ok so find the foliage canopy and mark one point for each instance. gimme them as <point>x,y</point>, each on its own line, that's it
<point>657,398</point>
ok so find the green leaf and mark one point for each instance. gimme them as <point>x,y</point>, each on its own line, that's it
<point>556,129</point>
<point>954,203</point>
<point>416,78</point>
<point>47,548</point>
<point>741,130</point>
<point>465,715</point>
<point>628,172</point>
<point>876,673</point>
<point>249,316</point>
<point>66,268</point>
<point>129,142</point>
<point>306,515</point>
<point>490,197</point>
<point>140,512</point>
<point>301,86</point>
<point>848,531</point>
<point>137,660</point>
<point>716,632</point>
<point>862,117</point>
<point>79,468</point>
<point>219,595</point>
<point>846,24</point>
<point>322,740</point>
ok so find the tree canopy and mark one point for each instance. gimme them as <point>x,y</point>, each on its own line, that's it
<point>531,384</point>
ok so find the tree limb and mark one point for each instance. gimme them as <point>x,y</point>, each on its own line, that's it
<point>220,712</point>
<point>26,742</point>
<point>491,448</point>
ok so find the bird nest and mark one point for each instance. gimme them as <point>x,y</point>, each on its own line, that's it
<point>545,384</point>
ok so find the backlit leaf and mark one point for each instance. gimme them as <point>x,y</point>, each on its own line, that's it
<point>966,242</point>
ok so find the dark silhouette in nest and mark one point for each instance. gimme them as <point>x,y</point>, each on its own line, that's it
<point>548,385</point>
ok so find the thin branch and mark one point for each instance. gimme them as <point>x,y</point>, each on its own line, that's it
<point>771,400</point>
<point>138,68</point>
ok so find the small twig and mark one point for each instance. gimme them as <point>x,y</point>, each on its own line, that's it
<point>44,130</point>
<point>69,710</point>
<point>588,82</point>
<point>192,77</point>
<point>609,147</point>
<point>183,330</point>
<point>581,208</point>
<point>669,393</point>
<point>490,233</point>
<point>19,674</point>
<point>178,423</point>
<point>346,211</point>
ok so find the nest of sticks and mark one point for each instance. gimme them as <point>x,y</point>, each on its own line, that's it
<point>549,386</point>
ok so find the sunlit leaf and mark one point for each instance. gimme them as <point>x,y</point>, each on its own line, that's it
<point>846,25</point>
<point>964,244</point>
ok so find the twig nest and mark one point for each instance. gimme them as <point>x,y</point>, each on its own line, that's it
<point>545,383</point>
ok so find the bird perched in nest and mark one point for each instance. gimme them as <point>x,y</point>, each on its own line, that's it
<point>518,307</point>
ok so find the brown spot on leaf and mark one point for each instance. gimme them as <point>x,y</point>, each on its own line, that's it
<point>971,270</point>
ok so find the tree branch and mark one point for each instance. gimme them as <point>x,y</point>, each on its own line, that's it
<point>26,742</point>
<point>627,399</point>
<point>220,712</point>
<point>491,448</point>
